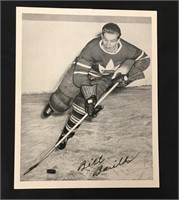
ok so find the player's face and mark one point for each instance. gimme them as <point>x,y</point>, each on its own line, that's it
<point>109,41</point>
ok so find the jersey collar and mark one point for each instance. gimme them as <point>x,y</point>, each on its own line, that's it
<point>120,46</point>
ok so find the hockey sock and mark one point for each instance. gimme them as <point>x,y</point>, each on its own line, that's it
<point>76,115</point>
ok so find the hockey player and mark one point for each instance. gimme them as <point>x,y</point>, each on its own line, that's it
<point>104,61</point>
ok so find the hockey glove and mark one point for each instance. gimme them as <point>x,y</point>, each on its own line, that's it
<point>90,106</point>
<point>89,93</point>
<point>121,79</point>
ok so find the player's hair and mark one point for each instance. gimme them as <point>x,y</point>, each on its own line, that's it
<point>111,28</point>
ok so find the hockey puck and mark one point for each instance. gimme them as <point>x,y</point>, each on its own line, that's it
<point>51,171</point>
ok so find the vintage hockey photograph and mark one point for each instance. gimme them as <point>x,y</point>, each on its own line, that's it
<point>86,99</point>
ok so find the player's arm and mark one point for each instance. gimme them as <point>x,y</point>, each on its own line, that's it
<point>141,63</point>
<point>81,79</point>
<point>132,68</point>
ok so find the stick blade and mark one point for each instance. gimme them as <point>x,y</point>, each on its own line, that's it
<point>30,169</point>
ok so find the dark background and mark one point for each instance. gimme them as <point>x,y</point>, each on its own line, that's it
<point>168,102</point>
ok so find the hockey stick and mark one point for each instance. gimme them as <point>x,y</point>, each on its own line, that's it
<point>53,148</point>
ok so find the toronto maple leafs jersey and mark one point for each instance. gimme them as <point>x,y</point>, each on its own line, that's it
<point>95,61</point>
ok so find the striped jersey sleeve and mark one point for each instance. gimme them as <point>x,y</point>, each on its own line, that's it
<point>141,63</point>
<point>141,59</point>
<point>80,76</point>
<point>83,65</point>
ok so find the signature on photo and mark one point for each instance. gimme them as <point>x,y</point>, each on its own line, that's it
<point>98,164</point>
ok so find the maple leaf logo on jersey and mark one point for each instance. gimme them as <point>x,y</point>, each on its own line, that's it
<point>109,69</point>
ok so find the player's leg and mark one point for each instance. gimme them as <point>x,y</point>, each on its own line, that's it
<point>79,111</point>
<point>58,102</point>
<point>62,98</point>
<point>77,114</point>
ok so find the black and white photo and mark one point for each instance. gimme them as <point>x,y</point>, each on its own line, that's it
<point>86,99</point>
